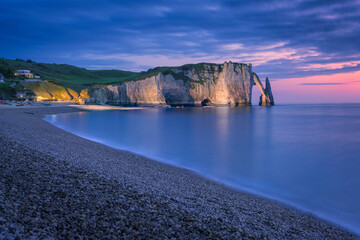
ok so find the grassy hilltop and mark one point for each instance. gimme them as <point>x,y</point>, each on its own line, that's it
<point>64,82</point>
<point>67,82</point>
<point>65,74</point>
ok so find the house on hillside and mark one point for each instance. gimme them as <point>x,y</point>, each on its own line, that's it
<point>26,73</point>
<point>2,78</point>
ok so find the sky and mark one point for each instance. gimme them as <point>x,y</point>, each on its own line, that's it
<point>310,50</point>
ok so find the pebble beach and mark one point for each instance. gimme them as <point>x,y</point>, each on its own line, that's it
<point>55,185</point>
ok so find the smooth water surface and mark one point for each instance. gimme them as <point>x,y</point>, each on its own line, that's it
<point>304,155</point>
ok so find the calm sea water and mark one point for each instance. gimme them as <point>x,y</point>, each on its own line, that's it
<point>307,156</point>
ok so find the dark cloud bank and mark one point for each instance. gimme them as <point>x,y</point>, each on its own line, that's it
<point>322,84</point>
<point>282,39</point>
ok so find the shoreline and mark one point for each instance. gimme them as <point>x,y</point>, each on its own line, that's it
<point>247,213</point>
<point>329,218</point>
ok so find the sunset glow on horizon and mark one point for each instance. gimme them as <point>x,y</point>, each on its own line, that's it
<point>335,88</point>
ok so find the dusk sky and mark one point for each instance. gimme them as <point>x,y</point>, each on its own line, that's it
<point>309,49</point>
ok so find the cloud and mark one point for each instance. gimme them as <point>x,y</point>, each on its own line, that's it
<point>283,39</point>
<point>212,8</point>
<point>232,46</point>
<point>321,84</point>
<point>271,46</point>
<point>142,62</point>
<point>325,66</point>
<point>161,11</point>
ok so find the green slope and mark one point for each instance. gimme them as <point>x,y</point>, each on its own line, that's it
<point>64,74</point>
<point>7,92</point>
<point>69,75</point>
<point>67,82</point>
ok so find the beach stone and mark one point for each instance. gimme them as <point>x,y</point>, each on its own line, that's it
<point>58,186</point>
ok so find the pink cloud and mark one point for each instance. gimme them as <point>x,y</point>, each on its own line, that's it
<point>329,66</point>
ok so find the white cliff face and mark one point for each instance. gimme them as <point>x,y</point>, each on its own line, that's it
<point>268,92</point>
<point>226,84</point>
<point>266,98</point>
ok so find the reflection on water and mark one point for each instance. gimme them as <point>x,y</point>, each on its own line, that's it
<point>308,156</point>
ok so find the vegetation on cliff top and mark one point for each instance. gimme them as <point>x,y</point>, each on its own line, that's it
<point>198,69</point>
<point>69,75</point>
<point>7,92</point>
<point>64,74</point>
<point>65,82</point>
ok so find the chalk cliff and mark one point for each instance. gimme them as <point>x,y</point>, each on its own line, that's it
<point>192,84</point>
<point>266,98</point>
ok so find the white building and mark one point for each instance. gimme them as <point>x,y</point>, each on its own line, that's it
<point>26,73</point>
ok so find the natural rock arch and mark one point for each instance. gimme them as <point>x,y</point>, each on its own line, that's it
<point>266,98</point>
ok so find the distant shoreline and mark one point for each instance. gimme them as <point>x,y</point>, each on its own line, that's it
<point>219,210</point>
<point>80,107</point>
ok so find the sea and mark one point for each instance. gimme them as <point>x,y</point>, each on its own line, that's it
<point>306,156</point>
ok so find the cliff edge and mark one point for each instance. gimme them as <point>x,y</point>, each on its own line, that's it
<point>192,84</point>
<point>199,84</point>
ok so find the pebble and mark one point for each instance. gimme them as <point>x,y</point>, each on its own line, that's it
<point>44,196</point>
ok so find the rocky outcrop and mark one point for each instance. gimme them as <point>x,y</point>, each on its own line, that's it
<point>195,84</point>
<point>266,98</point>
